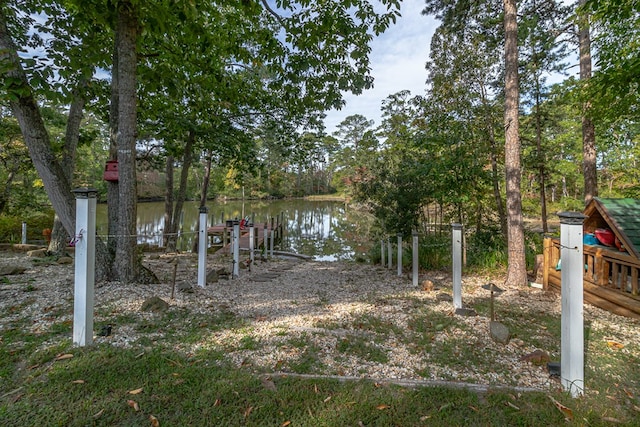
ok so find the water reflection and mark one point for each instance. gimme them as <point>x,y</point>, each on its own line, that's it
<point>328,231</point>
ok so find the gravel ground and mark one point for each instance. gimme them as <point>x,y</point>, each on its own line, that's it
<point>293,309</point>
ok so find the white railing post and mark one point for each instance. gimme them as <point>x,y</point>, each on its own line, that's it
<point>382,256</point>
<point>252,243</point>
<point>202,247</point>
<point>389,254</point>
<point>236,248</point>
<point>399,254</point>
<point>457,264</point>
<point>414,235</point>
<point>85,261</point>
<point>572,318</point>
<point>24,233</point>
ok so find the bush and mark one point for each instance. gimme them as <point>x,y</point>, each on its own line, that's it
<point>11,226</point>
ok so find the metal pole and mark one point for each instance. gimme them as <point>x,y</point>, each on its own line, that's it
<point>572,318</point>
<point>457,264</point>
<point>399,254</point>
<point>414,235</point>
<point>85,261</point>
<point>24,233</point>
<point>202,247</point>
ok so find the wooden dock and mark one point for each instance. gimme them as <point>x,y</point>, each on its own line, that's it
<point>223,232</point>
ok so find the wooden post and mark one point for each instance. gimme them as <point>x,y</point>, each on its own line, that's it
<point>572,288</point>
<point>399,254</point>
<point>271,243</point>
<point>85,245</point>
<point>414,235</point>
<point>457,265</point>
<point>202,247</point>
<point>546,254</point>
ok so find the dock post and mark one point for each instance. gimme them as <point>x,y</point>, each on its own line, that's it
<point>85,277</point>
<point>414,235</point>
<point>457,264</point>
<point>571,294</point>
<point>399,254</point>
<point>202,247</point>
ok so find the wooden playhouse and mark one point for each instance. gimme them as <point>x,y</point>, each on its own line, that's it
<point>611,257</point>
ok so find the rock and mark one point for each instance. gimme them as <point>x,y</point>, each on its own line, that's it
<point>8,270</point>
<point>427,285</point>
<point>19,247</point>
<point>185,287</point>
<point>467,312</point>
<point>444,297</point>
<point>65,260</point>
<point>37,253</point>
<point>155,304</point>
<point>499,332</point>
<point>537,357</point>
<point>212,276</point>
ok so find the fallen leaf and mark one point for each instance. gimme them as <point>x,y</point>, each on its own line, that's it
<point>247,411</point>
<point>445,406</point>
<point>134,405</point>
<point>327,399</point>
<point>636,408</point>
<point>566,411</point>
<point>136,391</point>
<point>382,407</point>
<point>512,405</point>
<point>98,414</point>
<point>286,423</point>
<point>473,408</point>
<point>611,420</point>
<point>217,402</point>
<point>78,381</point>
<point>425,417</point>
<point>64,356</point>
<point>154,421</point>
<point>628,393</point>
<point>315,389</point>
<point>614,344</point>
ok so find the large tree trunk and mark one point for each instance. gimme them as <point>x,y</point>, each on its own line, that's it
<point>125,265</point>
<point>34,132</point>
<point>113,195</point>
<point>541,162</point>
<point>588,129</point>
<point>59,236</point>
<point>517,269</point>
<point>182,191</point>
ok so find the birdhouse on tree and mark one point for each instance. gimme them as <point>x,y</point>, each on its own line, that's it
<point>111,171</point>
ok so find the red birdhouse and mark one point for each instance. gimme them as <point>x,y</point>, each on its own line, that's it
<point>111,171</point>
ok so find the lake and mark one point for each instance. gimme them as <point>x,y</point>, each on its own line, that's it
<point>325,230</point>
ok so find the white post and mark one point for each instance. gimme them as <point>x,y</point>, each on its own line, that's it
<point>265,239</point>
<point>572,318</point>
<point>389,254</point>
<point>236,248</point>
<point>85,263</point>
<point>202,247</point>
<point>24,233</point>
<point>252,243</point>
<point>414,235</point>
<point>399,254</point>
<point>382,257</point>
<point>457,265</point>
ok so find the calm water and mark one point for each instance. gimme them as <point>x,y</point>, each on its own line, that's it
<point>328,231</point>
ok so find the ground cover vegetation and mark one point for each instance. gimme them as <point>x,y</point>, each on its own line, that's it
<point>230,103</point>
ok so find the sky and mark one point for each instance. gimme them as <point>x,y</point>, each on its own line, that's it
<point>398,59</point>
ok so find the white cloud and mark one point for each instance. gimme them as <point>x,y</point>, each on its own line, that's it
<point>398,60</point>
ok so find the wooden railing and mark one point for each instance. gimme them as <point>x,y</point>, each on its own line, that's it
<point>610,277</point>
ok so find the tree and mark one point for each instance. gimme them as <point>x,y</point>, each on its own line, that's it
<point>517,268</point>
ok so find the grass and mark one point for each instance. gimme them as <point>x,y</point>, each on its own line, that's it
<point>94,385</point>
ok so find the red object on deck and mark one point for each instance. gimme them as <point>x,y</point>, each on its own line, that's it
<point>605,236</point>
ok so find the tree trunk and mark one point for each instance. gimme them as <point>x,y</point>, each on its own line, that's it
<point>182,191</point>
<point>541,162</point>
<point>206,179</point>
<point>113,195</point>
<point>59,236</point>
<point>125,265</point>
<point>589,166</point>
<point>168,202</point>
<point>517,269</point>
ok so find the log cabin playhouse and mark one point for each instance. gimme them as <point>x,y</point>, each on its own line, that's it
<point>611,257</point>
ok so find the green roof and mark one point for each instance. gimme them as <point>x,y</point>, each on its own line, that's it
<point>625,214</point>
